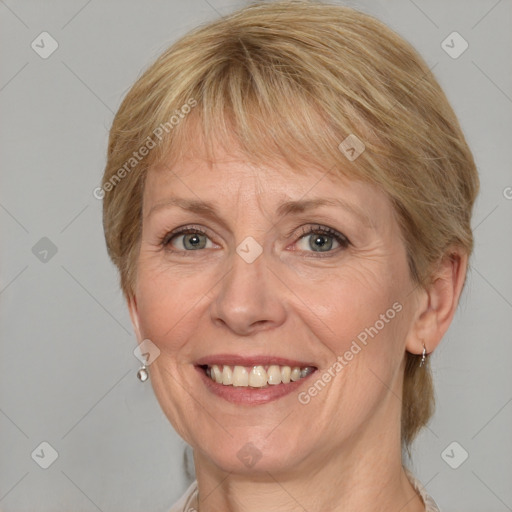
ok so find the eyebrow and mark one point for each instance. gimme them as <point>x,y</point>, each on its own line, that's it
<point>287,208</point>
<point>300,206</point>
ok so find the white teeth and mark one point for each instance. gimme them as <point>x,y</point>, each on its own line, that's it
<point>295,375</point>
<point>217,374</point>
<point>227,375</point>
<point>274,374</point>
<point>257,377</point>
<point>240,376</point>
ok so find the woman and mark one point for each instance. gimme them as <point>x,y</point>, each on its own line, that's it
<point>288,198</point>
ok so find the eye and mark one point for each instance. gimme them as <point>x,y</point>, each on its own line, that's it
<point>189,238</point>
<point>322,239</point>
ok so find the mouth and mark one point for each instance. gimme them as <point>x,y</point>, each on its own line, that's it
<point>252,380</point>
<point>256,376</point>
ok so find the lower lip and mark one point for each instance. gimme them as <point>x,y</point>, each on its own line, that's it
<point>248,395</point>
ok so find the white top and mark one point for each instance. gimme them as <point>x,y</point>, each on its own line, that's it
<point>188,501</point>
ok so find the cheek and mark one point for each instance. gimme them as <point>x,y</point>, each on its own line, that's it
<point>168,305</point>
<point>355,302</point>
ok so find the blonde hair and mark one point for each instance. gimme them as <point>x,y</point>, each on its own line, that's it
<point>291,80</point>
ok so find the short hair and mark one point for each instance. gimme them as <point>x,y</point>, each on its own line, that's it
<point>290,81</point>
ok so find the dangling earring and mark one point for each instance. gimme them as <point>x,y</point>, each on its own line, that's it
<point>423,356</point>
<point>143,374</point>
<point>146,352</point>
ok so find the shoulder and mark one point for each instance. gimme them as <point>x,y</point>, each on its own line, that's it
<point>430,504</point>
<point>188,501</point>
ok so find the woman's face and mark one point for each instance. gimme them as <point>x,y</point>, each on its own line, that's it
<point>264,276</point>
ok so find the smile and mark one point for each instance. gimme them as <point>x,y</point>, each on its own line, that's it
<point>257,376</point>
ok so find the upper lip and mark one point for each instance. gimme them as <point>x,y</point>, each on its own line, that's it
<point>257,360</point>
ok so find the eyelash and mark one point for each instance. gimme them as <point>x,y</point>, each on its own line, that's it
<point>187,230</point>
<point>324,230</point>
<point>343,241</point>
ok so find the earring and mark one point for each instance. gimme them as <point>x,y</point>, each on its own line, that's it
<point>423,356</point>
<point>143,374</point>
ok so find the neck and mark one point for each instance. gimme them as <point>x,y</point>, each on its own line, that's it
<point>355,479</point>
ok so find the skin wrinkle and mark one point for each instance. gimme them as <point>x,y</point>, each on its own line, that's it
<point>213,301</point>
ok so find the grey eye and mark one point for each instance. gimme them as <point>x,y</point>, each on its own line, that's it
<point>320,242</point>
<point>189,240</point>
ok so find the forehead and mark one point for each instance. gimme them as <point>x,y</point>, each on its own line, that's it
<point>215,169</point>
<point>230,180</point>
<point>195,154</point>
<point>214,158</point>
<point>231,186</point>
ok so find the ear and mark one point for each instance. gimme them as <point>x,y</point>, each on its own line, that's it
<point>438,302</point>
<point>134,315</point>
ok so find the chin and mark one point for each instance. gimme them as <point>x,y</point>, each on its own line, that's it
<point>245,456</point>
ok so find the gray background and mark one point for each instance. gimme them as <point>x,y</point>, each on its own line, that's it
<point>67,370</point>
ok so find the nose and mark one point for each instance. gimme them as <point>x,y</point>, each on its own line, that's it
<point>249,298</point>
